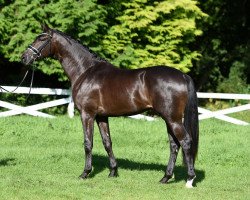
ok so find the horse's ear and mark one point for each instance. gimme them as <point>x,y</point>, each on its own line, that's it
<point>45,27</point>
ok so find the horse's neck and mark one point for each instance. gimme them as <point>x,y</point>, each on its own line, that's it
<point>74,59</point>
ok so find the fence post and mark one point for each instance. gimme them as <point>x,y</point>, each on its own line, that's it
<point>71,108</point>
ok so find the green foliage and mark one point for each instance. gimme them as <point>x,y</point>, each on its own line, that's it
<point>41,159</point>
<point>236,81</point>
<point>154,33</point>
<point>20,23</point>
<point>139,33</point>
<point>225,41</point>
<point>129,33</point>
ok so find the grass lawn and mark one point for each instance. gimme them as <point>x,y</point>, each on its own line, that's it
<point>42,159</point>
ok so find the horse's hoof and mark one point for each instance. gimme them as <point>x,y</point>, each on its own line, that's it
<point>83,176</point>
<point>189,183</point>
<point>189,186</point>
<point>113,173</point>
<point>166,179</point>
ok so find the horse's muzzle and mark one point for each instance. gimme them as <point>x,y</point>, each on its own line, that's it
<point>26,59</point>
<point>23,59</point>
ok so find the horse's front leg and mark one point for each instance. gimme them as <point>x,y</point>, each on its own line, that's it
<point>88,129</point>
<point>106,139</point>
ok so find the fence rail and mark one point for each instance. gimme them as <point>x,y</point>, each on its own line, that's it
<point>221,114</point>
<point>34,109</point>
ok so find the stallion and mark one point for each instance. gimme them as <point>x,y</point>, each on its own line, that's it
<point>101,90</point>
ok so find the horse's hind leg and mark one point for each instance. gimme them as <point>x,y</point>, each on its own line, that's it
<point>185,141</point>
<point>174,149</point>
<point>106,139</point>
<point>186,147</point>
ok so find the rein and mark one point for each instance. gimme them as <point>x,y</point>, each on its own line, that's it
<point>3,89</point>
<point>37,52</point>
<point>31,83</point>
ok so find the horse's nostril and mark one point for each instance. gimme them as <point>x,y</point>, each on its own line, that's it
<point>23,59</point>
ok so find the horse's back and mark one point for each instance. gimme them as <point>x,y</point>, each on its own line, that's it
<point>160,77</point>
<point>156,73</point>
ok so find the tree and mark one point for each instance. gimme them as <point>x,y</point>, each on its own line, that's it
<point>151,33</point>
<point>224,46</point>
<point>130,34</point>
<point>20,23</point>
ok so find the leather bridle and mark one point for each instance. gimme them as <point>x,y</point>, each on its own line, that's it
<point>38,51</point>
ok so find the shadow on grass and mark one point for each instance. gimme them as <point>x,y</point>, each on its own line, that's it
<point>101,163</point>
<point>7,162</point>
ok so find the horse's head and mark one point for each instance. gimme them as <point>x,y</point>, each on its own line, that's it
<point>40,48</point>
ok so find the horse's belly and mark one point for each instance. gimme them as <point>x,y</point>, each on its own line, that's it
<point>123,106</point>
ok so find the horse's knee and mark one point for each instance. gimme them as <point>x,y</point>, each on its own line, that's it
<point>87,146</point>
<point>174,147</point>
<point>107,144</point>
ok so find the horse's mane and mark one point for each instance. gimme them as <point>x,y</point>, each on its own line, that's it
<point>84,47</point>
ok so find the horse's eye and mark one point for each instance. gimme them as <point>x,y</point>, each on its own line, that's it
<point>42,37</point>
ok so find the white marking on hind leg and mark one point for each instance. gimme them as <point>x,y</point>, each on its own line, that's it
<point>189,183</point>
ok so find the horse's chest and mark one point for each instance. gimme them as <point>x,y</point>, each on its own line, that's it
<point>86,95</point>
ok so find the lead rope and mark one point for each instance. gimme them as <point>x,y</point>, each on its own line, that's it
<point>3,89</point>
<point>31,83</point>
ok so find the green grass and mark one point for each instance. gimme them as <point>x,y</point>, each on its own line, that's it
<point>244,115</point>
<point>42,158</point>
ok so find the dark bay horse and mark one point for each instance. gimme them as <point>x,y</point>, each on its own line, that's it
<point>101,90</point>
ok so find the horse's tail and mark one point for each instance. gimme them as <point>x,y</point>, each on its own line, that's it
<point>191,121</point>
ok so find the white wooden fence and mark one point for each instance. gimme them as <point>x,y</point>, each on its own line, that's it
<point>34,109</point>
<point>221,114</point>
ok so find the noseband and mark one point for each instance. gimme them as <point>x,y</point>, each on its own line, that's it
<point>38,51</point>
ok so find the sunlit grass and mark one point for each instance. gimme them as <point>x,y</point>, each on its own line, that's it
<point>42,158</point>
